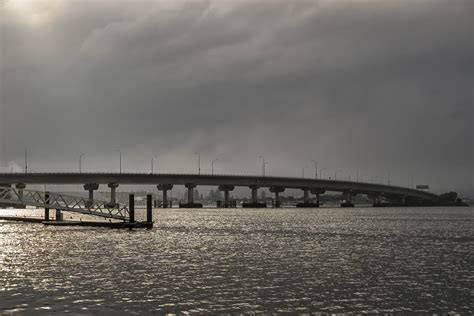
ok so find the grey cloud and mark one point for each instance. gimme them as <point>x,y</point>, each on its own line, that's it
<point>368,85</point>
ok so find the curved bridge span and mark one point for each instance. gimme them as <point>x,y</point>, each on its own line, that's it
<point>222,181</point>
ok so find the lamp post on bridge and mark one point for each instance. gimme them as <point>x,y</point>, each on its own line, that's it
<point>335,173</point>
<point>212,165</point>
<point>321,172</point>
<point>120,159</point>
<point>80,162</point>
<point>152,161</point>
<point>315,169</point>
<point>302,171</point>
<point>263,164</point>
<point>26,160</point>
<point>199,161</point>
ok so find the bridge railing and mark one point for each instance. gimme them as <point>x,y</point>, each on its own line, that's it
<point>14,196</point>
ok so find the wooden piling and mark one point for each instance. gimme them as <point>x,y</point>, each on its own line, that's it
<point>149,209</point>
<point>46,206</point>
<point>131,208</point>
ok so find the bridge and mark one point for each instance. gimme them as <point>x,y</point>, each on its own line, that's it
<point>224,183</point>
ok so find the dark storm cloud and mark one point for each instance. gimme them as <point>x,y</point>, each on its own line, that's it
<point>371,85</point>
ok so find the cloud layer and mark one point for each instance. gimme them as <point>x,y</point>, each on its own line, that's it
<point>373,85</point>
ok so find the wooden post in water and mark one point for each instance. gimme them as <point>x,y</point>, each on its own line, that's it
<point>46,206</point>
<point>131,208</point>
<point>149,209</point>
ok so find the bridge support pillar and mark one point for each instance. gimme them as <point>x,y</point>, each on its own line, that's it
<point>254,199</point>
<point>190,204</point>
<point>277,191</point>
<point>347,199</point>
<point>254,196</point>
<point>317,192</point>
<point>190,188</point>
<point>113,193</point>
<point>91,187</point>
<point>377,200</point>
<point>306,200</point>
<point>164,188</point>
<point>226,189</point>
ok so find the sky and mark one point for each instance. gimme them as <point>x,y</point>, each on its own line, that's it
<point>382,87</point>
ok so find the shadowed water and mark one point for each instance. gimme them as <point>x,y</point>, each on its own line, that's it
<point>250,261</point>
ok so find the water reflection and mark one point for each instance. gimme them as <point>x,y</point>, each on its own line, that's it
<point>229,261</point>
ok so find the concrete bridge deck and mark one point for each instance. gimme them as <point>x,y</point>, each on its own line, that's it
<point>214,180</point>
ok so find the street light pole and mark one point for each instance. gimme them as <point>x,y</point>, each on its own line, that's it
<point>199,162</point>
<point>263,165</point>
<point>212,165</point>
<point>302,171</point>
<point>26,160</point>
<point>335,173</point>
<point>152,167</point>
<point>321,172</point>
<point>315,169</point>
<point>80,162</point>
<point>120,159</point>
<point>388,176</point>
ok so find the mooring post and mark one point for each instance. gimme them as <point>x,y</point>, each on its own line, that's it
<point>131,207</point>
<point>149,210</point>
<point>59,215</point>
<point>46,206</point>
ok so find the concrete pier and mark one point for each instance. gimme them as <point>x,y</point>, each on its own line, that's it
<point>348,199</point>
<point>306,200</point>
<point>377,200</point>
<point>164,188</point>
<point>191,203</point>
<point>91,187</point>
<point>254,199</point>
<point>226,189</point>
<point>317,193</point>
<point>113,195</point>
<point>277,191</point>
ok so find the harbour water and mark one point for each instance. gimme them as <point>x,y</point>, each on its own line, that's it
<point>327,260</point>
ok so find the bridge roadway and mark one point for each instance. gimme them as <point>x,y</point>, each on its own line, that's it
<point>225,183</point>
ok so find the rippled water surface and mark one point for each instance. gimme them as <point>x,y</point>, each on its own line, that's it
<point>248,261</point>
